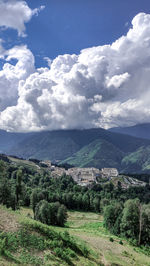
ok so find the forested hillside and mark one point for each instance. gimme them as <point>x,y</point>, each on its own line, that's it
<point>92,147</point>
<point>99,154</point>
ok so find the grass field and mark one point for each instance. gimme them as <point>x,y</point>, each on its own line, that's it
<point>86,227</point>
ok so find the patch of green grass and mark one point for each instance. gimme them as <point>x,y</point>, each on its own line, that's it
<point>143,249</point>
<point>92,226</point>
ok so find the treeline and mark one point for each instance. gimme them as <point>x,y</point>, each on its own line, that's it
<point>131,220</point>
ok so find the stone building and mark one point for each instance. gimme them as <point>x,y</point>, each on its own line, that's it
<point>109,172</point>
<point>57,171</point>
<point>47,163</point>
<point>83,176</point>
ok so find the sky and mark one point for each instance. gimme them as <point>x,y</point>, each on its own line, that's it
<point>68,64</point>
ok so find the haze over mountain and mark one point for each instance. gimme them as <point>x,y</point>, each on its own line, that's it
<point>10,139</point>
<point>139,131</point>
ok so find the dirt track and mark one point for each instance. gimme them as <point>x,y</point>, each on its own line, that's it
<point>8,221</point>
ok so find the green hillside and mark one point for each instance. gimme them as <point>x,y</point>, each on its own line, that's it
<point>24,241</point>
<point>99,154</point>
<point>138,161</point>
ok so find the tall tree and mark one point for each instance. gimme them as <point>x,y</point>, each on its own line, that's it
<point>130,220</point>
<point>19,184</point>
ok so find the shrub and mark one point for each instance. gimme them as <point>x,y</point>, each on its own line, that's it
<point>51,213</point>
<point>111,239</point>
<point>2,246</point>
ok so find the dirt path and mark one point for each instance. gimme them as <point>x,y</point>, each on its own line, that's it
<point>8,221</point>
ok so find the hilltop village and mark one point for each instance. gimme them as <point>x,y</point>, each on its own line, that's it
<point>86,176</point>
<point>83,176</point>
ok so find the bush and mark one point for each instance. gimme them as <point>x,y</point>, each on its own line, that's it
<point>2,246</point>
<point>111,239</point>
<point>51,213</point>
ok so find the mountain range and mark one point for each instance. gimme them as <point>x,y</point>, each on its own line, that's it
<point>117,147</point>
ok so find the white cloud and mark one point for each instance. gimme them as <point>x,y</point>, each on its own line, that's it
<point>10,75</point>
<point>117,80</point>
<point>14,14</point>
<point>103,86</point>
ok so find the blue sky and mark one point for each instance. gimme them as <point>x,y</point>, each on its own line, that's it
<point>98,73</point>
<point>67,26</point>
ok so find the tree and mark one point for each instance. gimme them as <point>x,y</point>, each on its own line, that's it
<point>96,204</point>
<point>144,224</point>
<point>19,183</point>
<point>112,217</point>
<point>86,202</point>
<point>7,186</point>
<point>5,191</point>
<point>61,215</point>
<point>51,213</point>
<point>130,219</point>
<point>36,196</point>
<point>135,221</point>
<point>43,212</point>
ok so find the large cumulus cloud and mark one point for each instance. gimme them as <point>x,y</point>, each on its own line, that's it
<point>103,86</point>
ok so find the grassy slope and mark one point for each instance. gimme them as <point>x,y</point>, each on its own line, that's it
<point>28,164</point>
<point>27,242</point>
<point>84,226</point>
<point>99,153</point>
<point>137,161</point>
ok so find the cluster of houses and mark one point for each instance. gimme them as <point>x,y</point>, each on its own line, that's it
<point>83,176</point>
<point>86,176</point>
